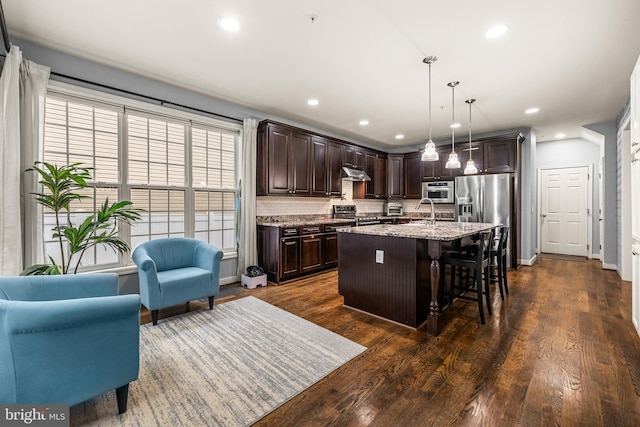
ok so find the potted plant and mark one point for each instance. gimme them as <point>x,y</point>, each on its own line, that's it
<point>60,184</point>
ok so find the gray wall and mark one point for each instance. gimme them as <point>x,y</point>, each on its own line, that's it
<point>573,152</point>
<point>529,200</point>
<point>610,170</point>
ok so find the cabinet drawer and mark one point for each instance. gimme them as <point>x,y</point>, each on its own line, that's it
<point>290,231</point>
<point>311,229</point>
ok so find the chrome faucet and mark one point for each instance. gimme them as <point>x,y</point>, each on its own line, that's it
<point>432,220</point>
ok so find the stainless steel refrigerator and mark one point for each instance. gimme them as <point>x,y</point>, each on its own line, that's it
<point>485,198</point>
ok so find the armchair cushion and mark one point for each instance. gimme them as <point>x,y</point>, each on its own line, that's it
<point>66,350</point>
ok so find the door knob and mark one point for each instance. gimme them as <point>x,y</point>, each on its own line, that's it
<point>543,215</point>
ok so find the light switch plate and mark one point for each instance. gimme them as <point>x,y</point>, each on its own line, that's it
<point>380,257</point>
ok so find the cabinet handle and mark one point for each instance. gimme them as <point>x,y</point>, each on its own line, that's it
<point>634,143</point>
<point>635,253</point>
<point>634,160</point>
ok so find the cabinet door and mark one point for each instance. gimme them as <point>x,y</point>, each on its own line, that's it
<point>330,250</point>
<point>381,177</point>
<point>431,169</point>
<point>310,253</point>
<point>279,164</point>
<point>359,158</point>
<point>289,257</point>
<point>301,159</point>
<point>348,154</point>
<point>370,160</point>
<point>413,175</point>
<point>319,166</point>
<point>499,156</point>
<point>334,169</point>
<point>395,173</point>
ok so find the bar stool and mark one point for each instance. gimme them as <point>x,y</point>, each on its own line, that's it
<point>498,256</point>
<point>476,260</point>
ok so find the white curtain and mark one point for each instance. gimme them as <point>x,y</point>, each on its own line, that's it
<point>33,90</point>
<point>22,92</point>
<point>10,223</point>
<point>248,248</point>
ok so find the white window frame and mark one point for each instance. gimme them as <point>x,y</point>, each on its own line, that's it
<point>128,105</point>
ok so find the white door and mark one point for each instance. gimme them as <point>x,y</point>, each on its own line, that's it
<point>635,285</point>
<point>635,195</point>
<point>563,210</point>
<point>600,215</point>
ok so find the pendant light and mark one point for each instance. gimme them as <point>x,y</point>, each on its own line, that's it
<point>470,168</point>
<point>453,162</point>
<point>430,154</point>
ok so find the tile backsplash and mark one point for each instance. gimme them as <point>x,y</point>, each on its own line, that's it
<point>273,206</point>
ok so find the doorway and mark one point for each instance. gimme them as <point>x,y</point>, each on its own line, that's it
<point>564,200</point>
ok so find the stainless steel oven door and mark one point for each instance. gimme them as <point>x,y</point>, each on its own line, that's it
<point>439,192</point>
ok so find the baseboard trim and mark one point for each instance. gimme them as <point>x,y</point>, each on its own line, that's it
<point>609,266</point>
<point>528,262</point>
<point>229,280</point>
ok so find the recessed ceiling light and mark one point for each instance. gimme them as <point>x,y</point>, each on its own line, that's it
<point>531,110</point>
<point>399,136</point>
<point>364,122</point>
<point>496,31</point>
<point>560,135</point>
<point>313,102</point>
<point>455,125</point>
<point>229,24</point>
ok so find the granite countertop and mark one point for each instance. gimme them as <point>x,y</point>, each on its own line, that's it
<point>445,230</point>
<point>300,220</point>
<point>297,222</point>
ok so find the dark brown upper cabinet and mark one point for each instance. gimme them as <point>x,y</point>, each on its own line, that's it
<point>395,176</point>
<point>326,169</point>
<point>284,158</point>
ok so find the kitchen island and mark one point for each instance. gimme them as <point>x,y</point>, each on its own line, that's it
<point>393,271</point>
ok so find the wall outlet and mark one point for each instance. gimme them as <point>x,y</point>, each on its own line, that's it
<point>380,257</point>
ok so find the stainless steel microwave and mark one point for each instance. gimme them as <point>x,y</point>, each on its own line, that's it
<point>439,191</point>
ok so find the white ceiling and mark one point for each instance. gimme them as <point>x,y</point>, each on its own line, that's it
<point>363,58</point>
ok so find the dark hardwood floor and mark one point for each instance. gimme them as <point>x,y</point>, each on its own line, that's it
<point>561,350</point>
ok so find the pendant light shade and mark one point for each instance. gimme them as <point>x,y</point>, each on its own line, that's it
<point>453,162</point>
<point>430,154</point>
<point>470,168</point>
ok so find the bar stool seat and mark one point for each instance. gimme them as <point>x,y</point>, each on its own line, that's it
<point>476,260</point>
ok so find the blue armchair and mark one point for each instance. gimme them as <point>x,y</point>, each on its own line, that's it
<point>66,339</point>
<point>176,270</point>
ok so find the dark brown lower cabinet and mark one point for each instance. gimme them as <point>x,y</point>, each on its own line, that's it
<point>330,250</point>
<point>286,253</point>
<point>310,253</point>
<point>289,257</point>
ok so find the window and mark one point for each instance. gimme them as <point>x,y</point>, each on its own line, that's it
<point>180,171</point>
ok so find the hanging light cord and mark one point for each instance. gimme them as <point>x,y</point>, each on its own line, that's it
<point>470,150</point>
<point>429,101</point>
<point>453,119</point>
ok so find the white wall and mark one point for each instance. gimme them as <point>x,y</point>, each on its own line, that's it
<point>569,152</point>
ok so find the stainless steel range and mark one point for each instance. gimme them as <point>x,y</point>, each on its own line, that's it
<point>349,212</point>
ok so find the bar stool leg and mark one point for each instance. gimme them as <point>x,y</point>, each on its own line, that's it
<point>487,283</point>
<point>479,293</point>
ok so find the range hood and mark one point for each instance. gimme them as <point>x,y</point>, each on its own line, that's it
<point>352,174</point>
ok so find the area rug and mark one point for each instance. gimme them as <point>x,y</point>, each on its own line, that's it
<point>229,366</point>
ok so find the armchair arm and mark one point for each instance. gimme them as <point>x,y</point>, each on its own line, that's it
<point>208,257</point>
<point>147,277</point>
